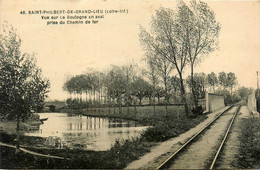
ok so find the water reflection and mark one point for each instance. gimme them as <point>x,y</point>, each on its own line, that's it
<point>90,133</point>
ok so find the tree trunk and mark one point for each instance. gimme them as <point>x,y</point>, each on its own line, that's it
<point>109,104</point>
<point>154,104</point>
<point>17,134</point>
<point>150,100</point>
<point>87,100</point>
<point>166,97</point>
<point>135,111</point>
<point>99,105</point>
<point>94,101</point>
<point>166,110</point>
<point>158,97</point>
<point>114,105</point>
<point>183,95</point>
<point>120,103</point>
<point>194,93</point>
<point>140,101</point>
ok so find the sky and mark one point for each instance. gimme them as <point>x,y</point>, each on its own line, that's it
<point>70,49</point>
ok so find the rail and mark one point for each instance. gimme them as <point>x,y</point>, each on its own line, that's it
<point>225,137</point>
<point>165,163</point>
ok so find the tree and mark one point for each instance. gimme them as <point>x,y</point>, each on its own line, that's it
<point>22,87</point>
<point>164,68</point>
<point>159,93</point>
<point>167,40</point>
<point>175,83</point>
<point>110,87</point>
<point>201,30</point>
<point>141,88</point>
<point>243,92</point>
<point>86,86</point>
<point>152,75</point>
<point>199,84</point>
<point>231,81</point>
<point>222,78</point>
<point>119,84</point>
<point>212,80</point>
<point>129,75</point>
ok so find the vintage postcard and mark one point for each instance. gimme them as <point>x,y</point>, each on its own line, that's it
<point>102,84</point>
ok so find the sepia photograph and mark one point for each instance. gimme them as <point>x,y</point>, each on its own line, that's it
<point>129,84</point>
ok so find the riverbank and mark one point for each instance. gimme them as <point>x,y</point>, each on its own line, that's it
<point>144,115</point>
<point>119,156</point>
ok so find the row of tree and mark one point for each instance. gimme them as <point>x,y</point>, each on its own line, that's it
<point>128,85</point>
<point>212,82</point>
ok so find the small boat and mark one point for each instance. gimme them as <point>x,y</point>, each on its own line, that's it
<point>44,119</point>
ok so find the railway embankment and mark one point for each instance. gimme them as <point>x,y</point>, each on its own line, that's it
<point>162,151</point>
<point>242,150</point>
<point>236,131</point>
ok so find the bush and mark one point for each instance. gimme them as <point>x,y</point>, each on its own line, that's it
<point>249,142</point>
<point>170,128</point>
<point>197,110</point>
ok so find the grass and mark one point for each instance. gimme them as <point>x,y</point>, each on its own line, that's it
<point>24,140</point>
<point>118,156</point>
<point>249,142</point>
<point>167,129</point>
<point>144,115</point>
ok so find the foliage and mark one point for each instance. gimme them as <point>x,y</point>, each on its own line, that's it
<point>22,87</point>
<point>231,81</point>
<point>165,40</point>
<point>222,78</point>
<point>170,128</point>
<point>249,142</point>
<point>212,80</point>
<point>227,80</point>
<point>199,84</point>
<point>201,31</point>
<point>141,88</point>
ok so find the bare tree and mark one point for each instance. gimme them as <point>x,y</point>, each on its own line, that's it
<point>201,30</point>
<point>152,75</point>
<point>166,39</point>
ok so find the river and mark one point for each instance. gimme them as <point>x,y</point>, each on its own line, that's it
<point>89,133</point>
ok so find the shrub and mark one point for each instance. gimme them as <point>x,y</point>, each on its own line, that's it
<point>249,142</point>
<point>170,128</point>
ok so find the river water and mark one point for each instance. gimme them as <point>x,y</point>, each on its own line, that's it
<point>89,133</point>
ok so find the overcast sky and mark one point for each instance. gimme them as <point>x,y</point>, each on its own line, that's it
<point>70,49</point>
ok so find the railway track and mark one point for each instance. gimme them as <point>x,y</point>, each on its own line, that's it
<point>170,160</point>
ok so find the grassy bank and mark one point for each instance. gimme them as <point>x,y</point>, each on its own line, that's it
<point>117,157</point>
<point>143,114</point>
<point>249,142</point>
<point>24,140</point>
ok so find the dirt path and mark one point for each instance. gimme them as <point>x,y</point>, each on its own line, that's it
<point>230,153</point>
<point>30,152</point>
<point>198,154</point>
<point>160,152</point>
